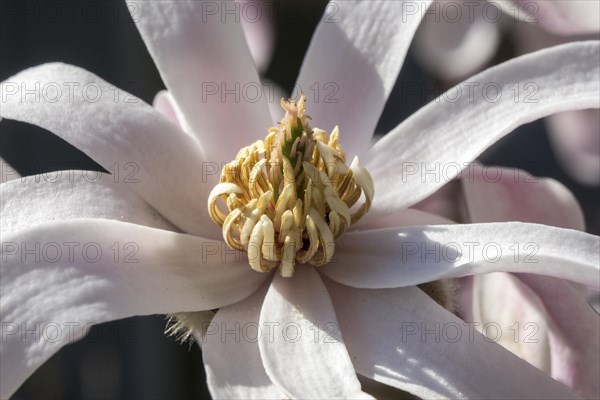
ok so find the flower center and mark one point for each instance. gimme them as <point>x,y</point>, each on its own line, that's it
<point>289,196</point>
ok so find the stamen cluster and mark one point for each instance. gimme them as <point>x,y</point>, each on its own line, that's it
<point>289,196</point>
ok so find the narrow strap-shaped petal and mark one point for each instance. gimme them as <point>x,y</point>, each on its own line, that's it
<point>548,307</point>
<point>353,62</point>
<point>494,194</point>
<point>64,195</point>
<point>447,201</point>
<point>304,354</point>
<point>258,25</point>
<point>560,17</point>
<point>234,368</point>
<point>64,277</point>
<point>204,60</point>
<point>397,257</point>
<point>121,133</point>
<point>432,146</point>
<point>408,217</point>
<point>574,334</point>
<point>575,138</point>
<point>519,313</point>
<point>165,104</point>
<point>402,338</point>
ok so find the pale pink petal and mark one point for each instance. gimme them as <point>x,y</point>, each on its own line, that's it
<point>433,145</point>
<point>163,164</point>
<point>447,201</point>
<point>561,17</point>
<point>230,351</point>
<point>456,39</point>
<point>574,334</point>
<point>60,278</point>
<point>64,195</point>
<point>165,104</point>
<point>464,298</point>
<point>499,195</point>
<point>575,138</point>
<point>257,18</point>
<point>594,300</point>
<point>398,257</point>
<point>529,37</point>
<point>302,354</point>
<point>501,300</point>
<point>402,338</point>
<point>352,64</point>
<point>205,63</point>
<point>574,135</point>
<point>495,194</point>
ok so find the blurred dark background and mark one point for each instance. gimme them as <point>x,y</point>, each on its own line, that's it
<point>132,358</point>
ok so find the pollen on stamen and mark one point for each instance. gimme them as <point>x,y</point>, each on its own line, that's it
<point>289,196</point>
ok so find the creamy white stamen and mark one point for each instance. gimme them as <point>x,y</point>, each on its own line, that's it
<point>290,196</point>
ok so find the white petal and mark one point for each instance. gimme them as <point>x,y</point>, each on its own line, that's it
<point>63,195</point>
<point>121,133</point>
<point>397,257</point>
<point>456,40</point>
<point>352,64</point>
<point>232,360</point>
<point>431,147</point>
<point>408,217</point>
<point>7,172</point>
<point>64,277</point>
<point>205,62</point>
<point>305,354</point>
<point>402,338</point>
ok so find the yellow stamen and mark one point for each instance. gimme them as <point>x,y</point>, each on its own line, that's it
<point>289,196</point>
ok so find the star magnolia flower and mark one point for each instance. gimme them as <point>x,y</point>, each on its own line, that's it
<point>344,326</point>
